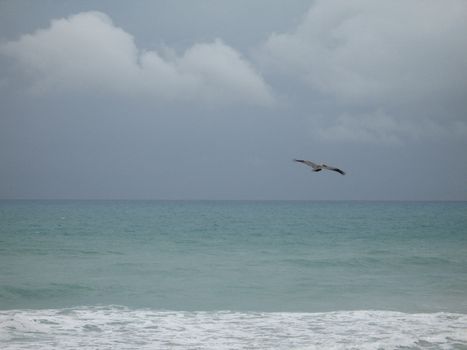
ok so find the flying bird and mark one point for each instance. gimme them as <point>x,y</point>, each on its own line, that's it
<point>319,167</point>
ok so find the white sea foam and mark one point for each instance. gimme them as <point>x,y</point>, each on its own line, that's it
<point>122,328</point>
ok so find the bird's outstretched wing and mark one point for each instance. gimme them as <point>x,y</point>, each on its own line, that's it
<point>333,169</point>
<point>309,163</point>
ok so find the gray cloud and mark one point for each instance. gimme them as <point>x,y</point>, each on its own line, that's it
<point>380,57</point>
<point>381,128</point>
<point>87,51</point>
<point>91,108</point>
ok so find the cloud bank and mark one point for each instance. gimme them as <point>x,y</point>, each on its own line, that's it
<point>383,57</point>
<point>391,70</point>
<point>87,52</point>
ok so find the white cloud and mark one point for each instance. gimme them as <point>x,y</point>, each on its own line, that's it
<point>368,50</point>
<point>397,56</point>
<point>88,52</point>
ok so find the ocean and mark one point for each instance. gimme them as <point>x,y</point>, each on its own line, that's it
<point>233,275</point>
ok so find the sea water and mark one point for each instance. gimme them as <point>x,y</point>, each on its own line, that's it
<point>233,275</point>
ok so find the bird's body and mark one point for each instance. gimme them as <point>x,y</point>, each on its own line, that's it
<point>319,167</point>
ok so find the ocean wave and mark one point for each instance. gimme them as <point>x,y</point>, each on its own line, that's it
<point>115,327</point>
<point>52,290</point>
<point>334,262</point>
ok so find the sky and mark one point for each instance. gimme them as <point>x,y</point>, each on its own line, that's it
<point>213,99</point>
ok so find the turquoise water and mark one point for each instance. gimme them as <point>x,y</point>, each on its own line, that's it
<point>273,261</point>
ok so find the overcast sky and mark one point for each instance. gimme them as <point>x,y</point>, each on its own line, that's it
<point>212,99</point>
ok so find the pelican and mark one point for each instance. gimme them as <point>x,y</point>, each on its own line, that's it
<point>319,167</point>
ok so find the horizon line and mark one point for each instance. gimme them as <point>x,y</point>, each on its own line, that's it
<point>230,200</point>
